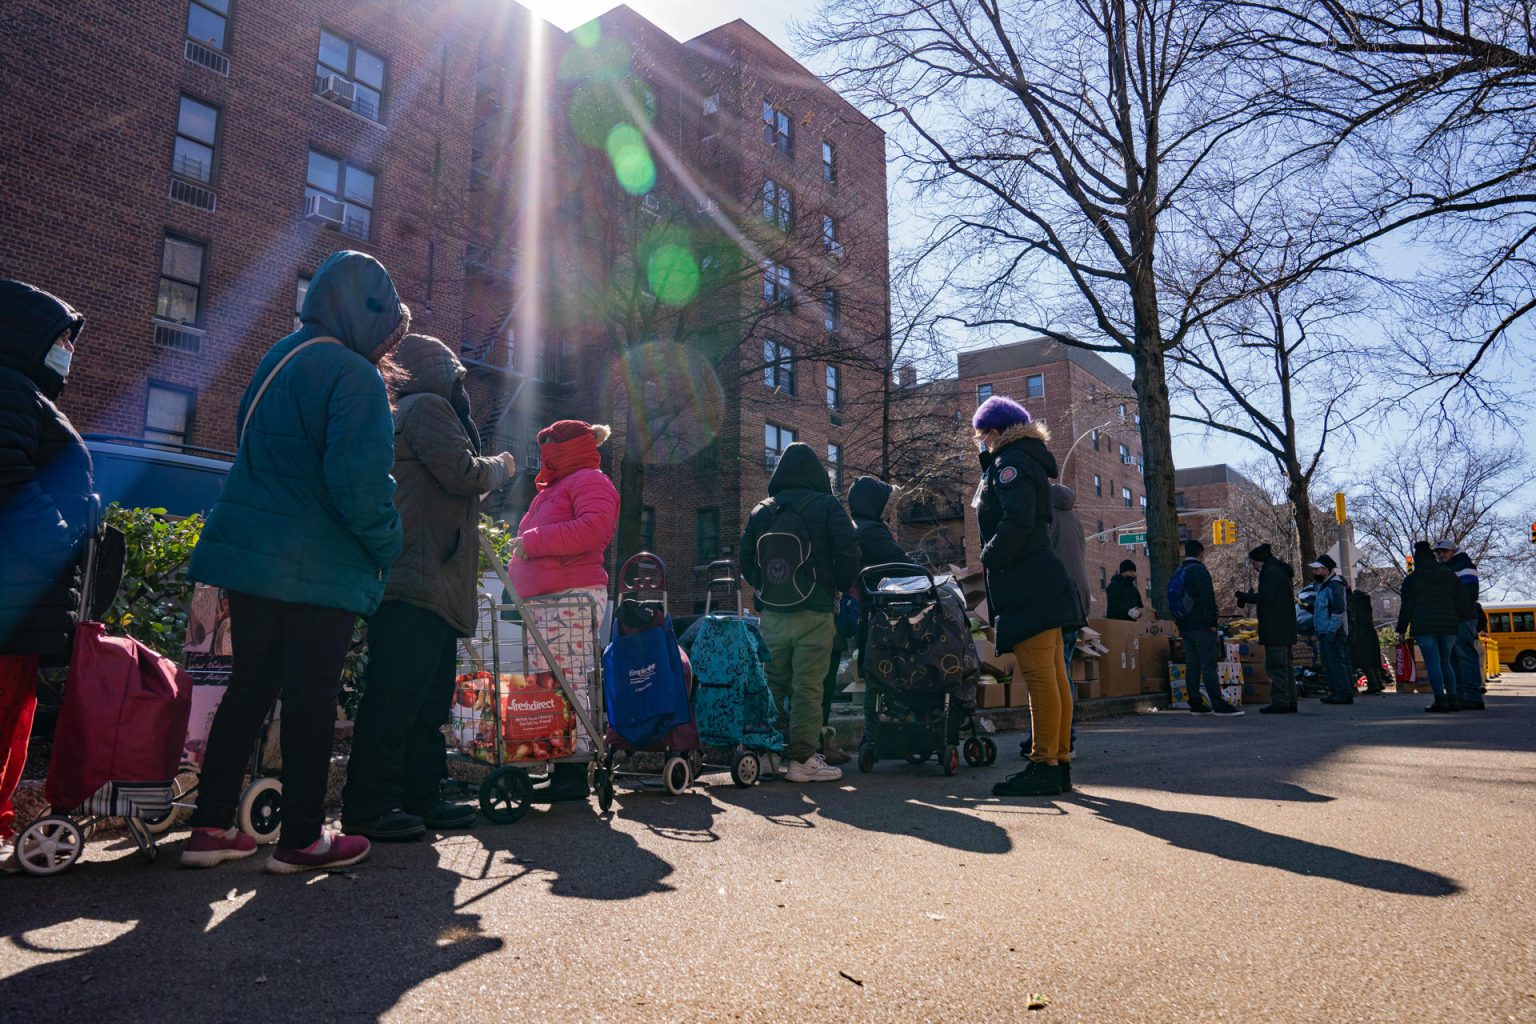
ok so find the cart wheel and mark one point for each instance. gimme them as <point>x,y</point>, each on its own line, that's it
<point>866,758</point>
<point>988,750</point>
<point>745,768</point>
<point>605,791</point>
<point>916,758</point>
<point>184,786</point>
<point>951,759</point>
<point>261,810</point>
<point>676,775</point>
<point>974,754</point>
<point>505,795</point>
<point>49,845</point>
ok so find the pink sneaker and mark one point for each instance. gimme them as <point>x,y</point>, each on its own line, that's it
<point>330,852</point>
<point>210,847</point>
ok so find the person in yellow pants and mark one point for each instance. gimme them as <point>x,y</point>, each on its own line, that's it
<point>1030,595</point>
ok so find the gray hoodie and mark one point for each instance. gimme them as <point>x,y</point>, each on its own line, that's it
<point>1069,541</point>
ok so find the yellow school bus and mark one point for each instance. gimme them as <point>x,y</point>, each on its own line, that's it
<point>1512,625</point>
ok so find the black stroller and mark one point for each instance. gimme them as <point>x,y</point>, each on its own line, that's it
<point>920,671</point>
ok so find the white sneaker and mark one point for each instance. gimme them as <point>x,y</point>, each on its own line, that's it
<point>813,769</point>
<point>9,865</point>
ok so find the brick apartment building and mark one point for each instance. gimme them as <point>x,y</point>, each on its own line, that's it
<point>1088,407</point>
<point>183,178</point>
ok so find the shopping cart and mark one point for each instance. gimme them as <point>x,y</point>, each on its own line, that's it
<point>529,694</point>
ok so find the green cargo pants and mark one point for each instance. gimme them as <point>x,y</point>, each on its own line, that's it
<point>799,646</point>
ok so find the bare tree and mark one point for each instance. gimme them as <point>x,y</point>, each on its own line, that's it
<point>1066,143</point>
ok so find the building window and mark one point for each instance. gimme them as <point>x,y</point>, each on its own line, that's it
<point>1034,385</point>
<point>1095,440</point>
<point>834,387</point>
<point>1179,501</point>
<point>711,104</point>
<point>1125,456</point>
<point>364,71</point>
<point>647,529</point>
<point>1122,412</point>
<point>835,467</point>
<point>707,535</point>
<point>208,22</point>
<point>706,460</point>
<point>1093,391</point>
<point>181,281</point>
<point>1101,534</point>
<point>778,366</point>
<point>340,181</point>
<point>1143,502</point>
<point>828,162</point>
<point>1125,496</point>
<point>197,133</point>
<point>778,205</point>
<point>300,292</point>
<point>775,440</point>
<point>168,413</point>
<point>1103,575</point>
<point>830,314</point>
<point>1098,486</point>
<point>777,128</point>
<point>778,285</point>
<point>983,392</point>
<point>829,240</point>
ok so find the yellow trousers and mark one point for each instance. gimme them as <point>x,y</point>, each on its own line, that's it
<point>1050,696</point>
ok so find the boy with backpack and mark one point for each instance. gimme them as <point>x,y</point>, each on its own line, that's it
<point>1192,600</point>
<point>799,551</point>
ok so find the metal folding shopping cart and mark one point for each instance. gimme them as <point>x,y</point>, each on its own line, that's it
<point>530,695</point>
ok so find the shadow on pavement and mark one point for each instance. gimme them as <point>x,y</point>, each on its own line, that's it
<point>579,853</point>
<point>1230,840</point>
<point>232,942</point>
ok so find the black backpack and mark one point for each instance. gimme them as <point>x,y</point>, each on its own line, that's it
<point>785,564</point>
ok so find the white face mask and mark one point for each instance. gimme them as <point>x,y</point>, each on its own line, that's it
<point>58,360</point>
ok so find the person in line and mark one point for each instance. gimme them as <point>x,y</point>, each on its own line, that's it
<point>1029,592</point>
<point>302,536</point>
<point>398,753</point>
<point>1469,662</point>
<point>1330,619</point>
<point>559,552</point>
<point>1430,613</point>
<point>1122,597</point>
<point>1277,626</point>
<point>1070,542</point>
<point>1364,644</point>
<point>45,481</point>
<point>1192,600</point>
<point>799,551</point>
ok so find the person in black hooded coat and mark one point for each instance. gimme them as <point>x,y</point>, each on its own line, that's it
<point>45,484</point>
<point>1277,626</point>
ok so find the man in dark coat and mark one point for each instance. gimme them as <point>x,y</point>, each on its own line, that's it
<point>1121,594</point>
<point>800,633</point>
<point>1469,662</point>
<point>45,483</point>
<point>1433,603</point>
<point>1364,644</point>
<point>1277,626</point>
<point>1197,625</point>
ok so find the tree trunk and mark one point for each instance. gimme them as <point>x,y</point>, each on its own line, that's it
<point>1151,384</point>
<point>1298,493</point>
<point>631,489</point>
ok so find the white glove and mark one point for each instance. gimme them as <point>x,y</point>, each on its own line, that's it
<point>1135,613</point>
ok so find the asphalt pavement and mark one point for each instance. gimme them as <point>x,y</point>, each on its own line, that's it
<point>1348,864</point>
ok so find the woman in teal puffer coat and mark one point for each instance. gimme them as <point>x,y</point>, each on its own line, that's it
<point>301,539</point>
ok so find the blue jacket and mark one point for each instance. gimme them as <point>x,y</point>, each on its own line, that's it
<point>1331,613</point>
<point>307,514</point>
<point>1201,590</point>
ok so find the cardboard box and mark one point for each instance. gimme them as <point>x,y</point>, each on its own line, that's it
<point>1234,651</point>
<point>1229,673</point>
<point>993,663</point>
<point>1018,692</point>
<point>992,695</point>
<point>1232,693</point>
<point>1178,687</point>
<point>1091,672</point>
<point>1088,691</point>
<point>1156,655</point>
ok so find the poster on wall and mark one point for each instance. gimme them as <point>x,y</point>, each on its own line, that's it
<point>208,658</point>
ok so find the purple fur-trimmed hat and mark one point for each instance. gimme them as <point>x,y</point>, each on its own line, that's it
<point>1000,413</point>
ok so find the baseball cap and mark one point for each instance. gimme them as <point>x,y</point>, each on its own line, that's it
<point>1445,544</point>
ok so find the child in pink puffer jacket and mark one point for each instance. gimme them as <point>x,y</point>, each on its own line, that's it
<point>560,549</point>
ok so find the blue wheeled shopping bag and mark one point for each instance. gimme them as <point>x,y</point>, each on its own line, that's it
<point>644,685</point>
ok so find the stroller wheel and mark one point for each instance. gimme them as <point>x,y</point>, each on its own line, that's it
<point>677,775</point>
<point>988,750</point>
<point>974,754</point>
<point>951,759</point>
<point>184,785</point>
<point>745,768</point>
<point>866,757</point>
<point>505,795</point>
<point>261,810</point>
<point>49,845</point>
<point>605,790</point>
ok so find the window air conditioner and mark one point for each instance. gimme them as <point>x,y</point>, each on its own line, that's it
<point>324,210</point>
<point>337,90</point>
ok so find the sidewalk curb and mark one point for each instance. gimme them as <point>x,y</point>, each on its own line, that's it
<point>850,728</point>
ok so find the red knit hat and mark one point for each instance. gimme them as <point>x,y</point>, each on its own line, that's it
<point>564,430</point>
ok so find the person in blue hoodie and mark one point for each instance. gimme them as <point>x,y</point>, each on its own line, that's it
<point>301,538</point>
<point>1330,617</point>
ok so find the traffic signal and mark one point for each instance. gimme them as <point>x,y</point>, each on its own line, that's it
<point>1231,532</point>
<point>1223,531</point>
<point>1215,532</point>
<point>1533,533</point>
<point>1410,563</point>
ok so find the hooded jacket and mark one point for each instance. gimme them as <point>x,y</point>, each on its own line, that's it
<point>1121,595</point>
<point>1200,589</point>
<point>1431,598</point>
<point>439,478</point>
<point>1465,569</point>
<point>1276,603</point>
<point>1330,612</point>
<point>307,513</point>
<point>801,481</point>
<point>1364,644</point>
<point>566,532</point>
<point>1069,541</point>
<point>867,498</point>
<point>45,481</point>
<point>1028,589</point>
